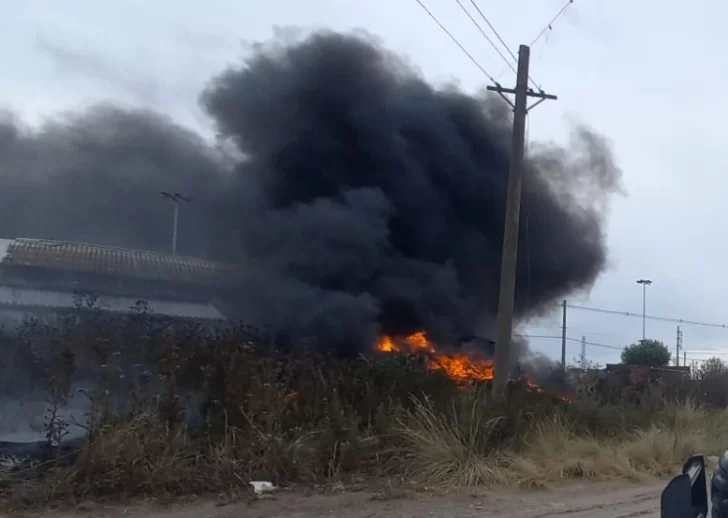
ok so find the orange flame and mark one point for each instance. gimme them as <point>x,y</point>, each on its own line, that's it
<point>458,366</point>
<point>387,345</point>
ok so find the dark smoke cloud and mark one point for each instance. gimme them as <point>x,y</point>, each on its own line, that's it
<point>363,199</point>
<point>369,180</point>
<point>95,177</point>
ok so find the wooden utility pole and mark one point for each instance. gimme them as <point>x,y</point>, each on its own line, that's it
<point>563,337</point>
<point>513,212</point>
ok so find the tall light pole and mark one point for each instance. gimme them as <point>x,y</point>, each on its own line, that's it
<point>175,197</point>
<point>644,283</point>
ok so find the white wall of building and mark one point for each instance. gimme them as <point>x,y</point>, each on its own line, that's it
<point>24,300</point>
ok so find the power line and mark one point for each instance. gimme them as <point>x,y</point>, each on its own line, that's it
<point>617,348</point>
<point>571,328</point>
<point>492,44</point>
<point>527,214</point>
<point>594,344</point>
<point>549,26</point>
<point>708,353</point>
<point>455,40</point>
<point>543,47</point>
<point>485,18</point>
<point>639,315</point>
<point>497,35</point>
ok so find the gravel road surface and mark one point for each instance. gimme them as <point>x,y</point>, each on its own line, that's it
<point>583,500</point>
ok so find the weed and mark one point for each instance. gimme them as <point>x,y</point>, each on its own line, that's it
<point>175,410</point>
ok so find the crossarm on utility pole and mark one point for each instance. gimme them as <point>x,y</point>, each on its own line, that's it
<point>541,96</point>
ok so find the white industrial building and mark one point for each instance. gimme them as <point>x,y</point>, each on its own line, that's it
<point>41,276</point>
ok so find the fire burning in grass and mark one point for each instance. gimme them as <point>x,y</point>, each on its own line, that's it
<point>460,367</point>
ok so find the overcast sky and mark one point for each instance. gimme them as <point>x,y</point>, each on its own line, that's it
<point>637,72</point>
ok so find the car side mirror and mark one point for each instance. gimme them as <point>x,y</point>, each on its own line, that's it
<point>686,495</point>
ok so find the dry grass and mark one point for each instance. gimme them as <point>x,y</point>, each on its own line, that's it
<point>440,451</point>
<point>463,445</point>
<point>307,418</point>
<point>457,447</point>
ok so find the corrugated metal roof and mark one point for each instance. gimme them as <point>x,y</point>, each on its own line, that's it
<point>104,260</point>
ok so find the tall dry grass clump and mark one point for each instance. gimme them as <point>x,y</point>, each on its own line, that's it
<point>471,445</point>
<point>176,410</point>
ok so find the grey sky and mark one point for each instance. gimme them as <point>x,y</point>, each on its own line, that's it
<point>631,70</point>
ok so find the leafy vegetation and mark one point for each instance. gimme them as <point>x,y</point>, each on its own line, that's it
<point>648,353</point>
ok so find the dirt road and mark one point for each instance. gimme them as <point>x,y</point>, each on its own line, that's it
<point>584,500</point>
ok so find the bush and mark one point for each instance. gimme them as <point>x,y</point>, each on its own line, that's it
<point>177,410</point>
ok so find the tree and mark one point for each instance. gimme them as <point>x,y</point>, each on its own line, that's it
<point>648,353</point>
<point>713,381</point>
<point>712,367</point>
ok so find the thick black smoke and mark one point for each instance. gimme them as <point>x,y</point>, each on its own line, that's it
<point>366,200</point>
<point>95,177</point>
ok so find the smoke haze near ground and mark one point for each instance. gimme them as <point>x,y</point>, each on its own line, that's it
<point>365,199</point>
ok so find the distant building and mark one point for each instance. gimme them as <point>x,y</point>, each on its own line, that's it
<point>636,375</point>
<point>40,277</point>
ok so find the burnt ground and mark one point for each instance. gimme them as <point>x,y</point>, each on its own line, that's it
<point>575,500</point>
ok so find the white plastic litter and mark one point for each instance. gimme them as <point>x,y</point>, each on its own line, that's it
<point>260,487</point>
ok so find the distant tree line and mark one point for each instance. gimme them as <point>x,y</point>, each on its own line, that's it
<point>654,353</point>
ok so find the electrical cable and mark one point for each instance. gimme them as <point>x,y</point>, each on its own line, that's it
<point>648,317</point>
<point>497,35</point>
<point>577,340</point>
<point>492,44</point>
<point>455,40</point>
<point>527,218</point>
<point>492,28</point>
<point>549,26</point>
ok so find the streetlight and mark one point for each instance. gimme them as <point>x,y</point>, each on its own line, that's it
<point>175,197</point>
<point>644,283</point>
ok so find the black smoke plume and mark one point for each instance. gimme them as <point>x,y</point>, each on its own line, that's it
<point>360,198</point>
